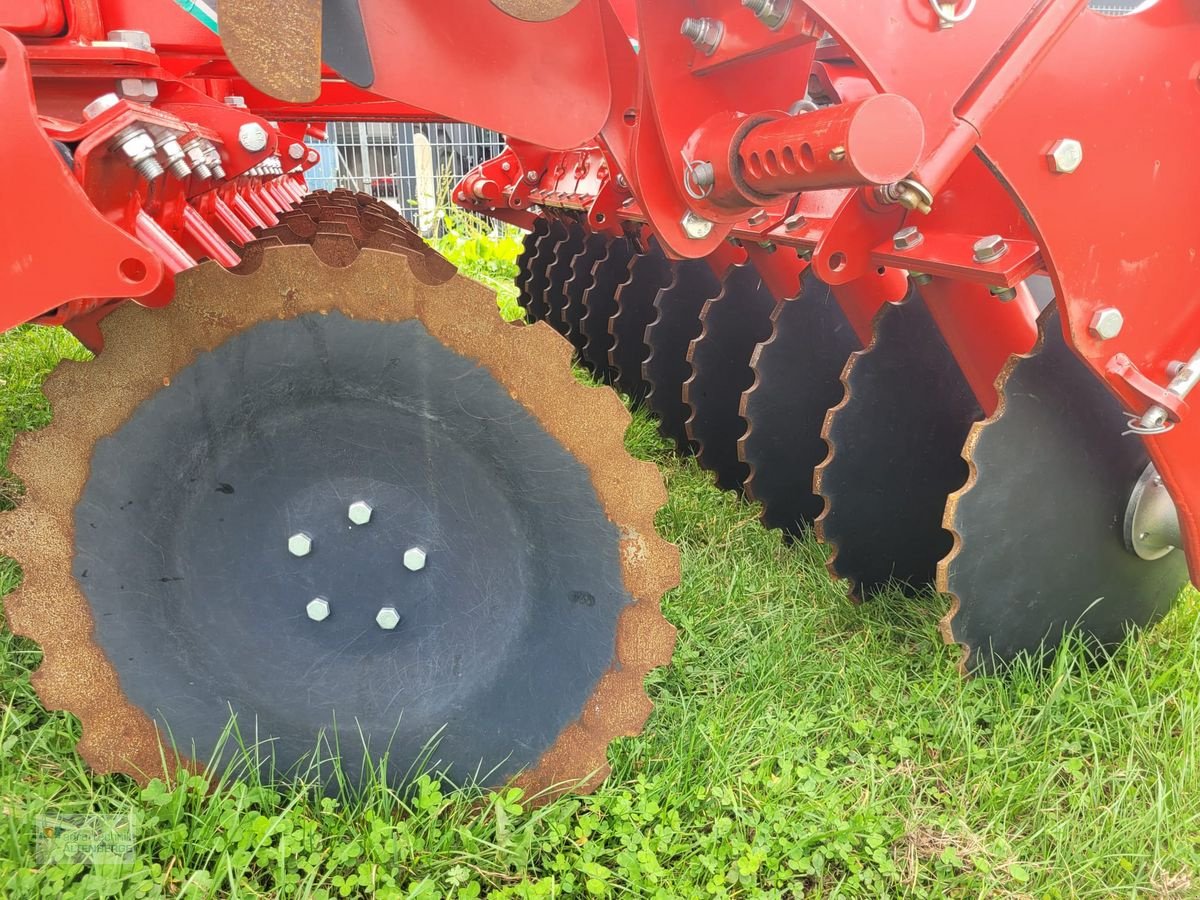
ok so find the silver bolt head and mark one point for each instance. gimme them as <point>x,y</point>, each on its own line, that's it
<point>300,544</point>
<point>100,104</point>
<point>313,156</point>
<point>252,137</point>
<point>696,227</point>
<point>138,40</point>
<point>360,512</point>
<point>138,90</point>
<point>387,618</point>
<point>1065,156</point>
<point>414,559</point>
<point>907,238</point>
<point>318,609</point>
<point>296,151</point>
<point>989,248</point>
<point>1107,323</point>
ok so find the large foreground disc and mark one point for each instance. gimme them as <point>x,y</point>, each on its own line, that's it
<point>600,299</point>
<point>493,612</point>
<point>558,275</point>
<point>580,279</point>
<point>676,324</point>
<point>797,380</point>
<point>895,453</point>
<point>526,262</point>
<point>1039,526</point>
<point>732,325</point>
<point>649,273</point>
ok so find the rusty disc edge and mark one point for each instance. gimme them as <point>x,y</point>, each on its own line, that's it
<point>147,348</point>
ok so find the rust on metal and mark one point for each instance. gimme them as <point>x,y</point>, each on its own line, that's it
<point>536,10</point>
<point>275,46</point>
<point>145,350</point>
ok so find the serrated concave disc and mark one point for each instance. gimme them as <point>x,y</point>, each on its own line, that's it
<point>575,289</point>
<point>601,301</point>
<point>162,498</point>
<point>732,325</point>
<point>559,273</point>
<point>895,447</point>
<point>529,252</point>
<point>539,270</point>
<point>1040,545</point>
<point>676,325</point>
<point>797,380</point>
<point>649,273</point>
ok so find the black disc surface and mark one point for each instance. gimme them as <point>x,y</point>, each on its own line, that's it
<point>1041,525</point>
<point>182,552</point>
<point>559,273</point>
<point>576,286</point>
<point>529,250</point>
<point>896,453</point>
<point>675,326</point>
<point>600,299</point>
<point>539,270</point>
<point>734,323</point>
<point>649,273</point>
<point>797,380</point>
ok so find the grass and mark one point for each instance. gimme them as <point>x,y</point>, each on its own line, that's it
<point>799,746</point>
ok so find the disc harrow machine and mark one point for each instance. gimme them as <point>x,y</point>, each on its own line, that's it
<point>921,283</point>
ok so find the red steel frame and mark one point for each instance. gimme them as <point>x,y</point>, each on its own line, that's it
<point>609,110</point>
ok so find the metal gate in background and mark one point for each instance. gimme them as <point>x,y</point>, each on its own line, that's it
<point>411,165</point>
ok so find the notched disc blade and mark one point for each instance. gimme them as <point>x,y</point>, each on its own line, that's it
<point>797,380</point>
<point>166,582</point>
<point>581,278</point>
<point>539,270</point>
<point>732,325</point>
<point>676,324</point>
<point>649,273</point>
<point>600,299</point>
<point>894,453</point>
<point>1040,545</point>
<point>558,275</point>
<point>532,244</point>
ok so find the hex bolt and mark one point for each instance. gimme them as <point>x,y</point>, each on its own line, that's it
<point>990,248</point>
<point>794,223</point>
<point>138,40</point>
<point>696,227</point>
<point>1004,294</point>
<point>212,156</point>
<point>703,175</point>
<point>1107,323</point>
<point>300,544</point>
<point>772,13</point>
<point>414,559</point>
<point>759,218</point>
<point>921,277</point>
<point>101,104</point>
<point>168,145</point>
<point>235,101</point>
<point>705,34</point>
<point>837,154</point>
<point>1065,156</point>
<point>318,609</point>
<point>387,618</point>
<point>360,512</point>
<point>907,238</point>
<point>622,182</point>
<point>198,158</point>
<point>138,90</point>
<point>137,145</point>
<point>313,156</point>
<point>252,137</point>
<point>296,152</point>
